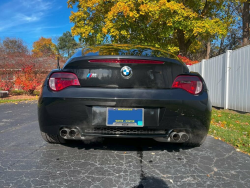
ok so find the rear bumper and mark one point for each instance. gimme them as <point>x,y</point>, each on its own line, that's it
<point>165,110</point>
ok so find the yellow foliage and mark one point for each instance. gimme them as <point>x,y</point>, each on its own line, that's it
<point>173,50</point>
<point>143,21</point>
<point>44,47</point>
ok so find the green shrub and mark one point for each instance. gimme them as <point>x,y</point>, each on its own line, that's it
<point>22,92</point>
<point>17,92</point>
<point>36,93</point>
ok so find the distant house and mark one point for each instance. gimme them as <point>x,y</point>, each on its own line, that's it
<point>12,68</point>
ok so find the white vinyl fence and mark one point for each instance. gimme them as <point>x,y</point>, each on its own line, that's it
<point>228,79</point>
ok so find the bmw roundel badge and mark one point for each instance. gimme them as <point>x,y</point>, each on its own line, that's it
<point>126,72</point>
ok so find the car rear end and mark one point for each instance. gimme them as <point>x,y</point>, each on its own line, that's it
<point>124,93</point>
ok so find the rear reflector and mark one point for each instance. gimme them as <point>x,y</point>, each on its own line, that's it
<point>61,80</point>
<point>125,61</point>
<point>191,84</point>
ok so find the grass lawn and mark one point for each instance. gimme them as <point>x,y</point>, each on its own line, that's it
<point>231,127</point>
<point>16,99</point>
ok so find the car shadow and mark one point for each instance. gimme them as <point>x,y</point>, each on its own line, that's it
<point>151,182</point>
<point>126,144</point>
<point>131,144</point>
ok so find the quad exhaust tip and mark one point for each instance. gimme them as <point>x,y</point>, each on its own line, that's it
<point>64,132</point>
<point>179,137</point>
<point>184,136</point>
<point>69,133</point>
<point>73,133</point>
<point>175,136</point>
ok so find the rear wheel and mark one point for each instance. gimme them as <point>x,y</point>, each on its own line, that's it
<point>53,139</point>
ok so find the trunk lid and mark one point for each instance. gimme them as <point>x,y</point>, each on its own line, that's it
<point>125,71</point>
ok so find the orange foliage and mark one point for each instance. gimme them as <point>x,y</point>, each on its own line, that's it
<point>6,85</point>
<point>187,61</point>
<point>28,80</point>
<point>27,72</point>
<point>44,47</point>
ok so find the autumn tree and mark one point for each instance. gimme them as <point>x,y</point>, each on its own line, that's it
<point>174,25</point>
<point>44,47</point>
<point>238,31</point>
<point>10,48</point>
<point>210,46</point>
<point>242,11</point>
<point>67,44</point>
<point>13,45</point>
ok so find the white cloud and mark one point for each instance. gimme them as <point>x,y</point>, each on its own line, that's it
<point>36,4</point>
<point>31,18</point>
<point>21,12</point>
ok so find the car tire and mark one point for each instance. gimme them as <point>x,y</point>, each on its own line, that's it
<point>53,139</point>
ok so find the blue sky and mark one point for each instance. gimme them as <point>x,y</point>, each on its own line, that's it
<point>31,19</point>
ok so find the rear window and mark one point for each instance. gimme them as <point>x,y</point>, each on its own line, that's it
<point>124,50</point>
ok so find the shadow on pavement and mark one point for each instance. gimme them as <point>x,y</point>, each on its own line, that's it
<point>132,144</point>
<point>151,182</point>
<point>126,144</point>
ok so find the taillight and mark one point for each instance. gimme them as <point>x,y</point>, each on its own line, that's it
<point>191,84</point>
<point>125,61</point>
<point>61,80</point>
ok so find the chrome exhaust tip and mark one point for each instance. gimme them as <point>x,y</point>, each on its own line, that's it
<point>64,132</point>
<point>184,136</point>
<point>175,136</point>
<point>73,133</point>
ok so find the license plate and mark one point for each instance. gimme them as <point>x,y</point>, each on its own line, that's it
<point>129,117</point>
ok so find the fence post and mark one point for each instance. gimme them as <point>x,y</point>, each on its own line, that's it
<point>227,68</point>
<point>202,67</point>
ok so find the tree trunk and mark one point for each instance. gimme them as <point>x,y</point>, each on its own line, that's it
<point>184,44</point>
<point>221,46</point>
<point>208,50</point>
<point>181,42</point>
<point>245,23</point>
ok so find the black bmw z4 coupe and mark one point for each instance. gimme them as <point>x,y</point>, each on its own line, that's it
<point>127,91</point>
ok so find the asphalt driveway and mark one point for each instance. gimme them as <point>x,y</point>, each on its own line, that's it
<point>27,161</point>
